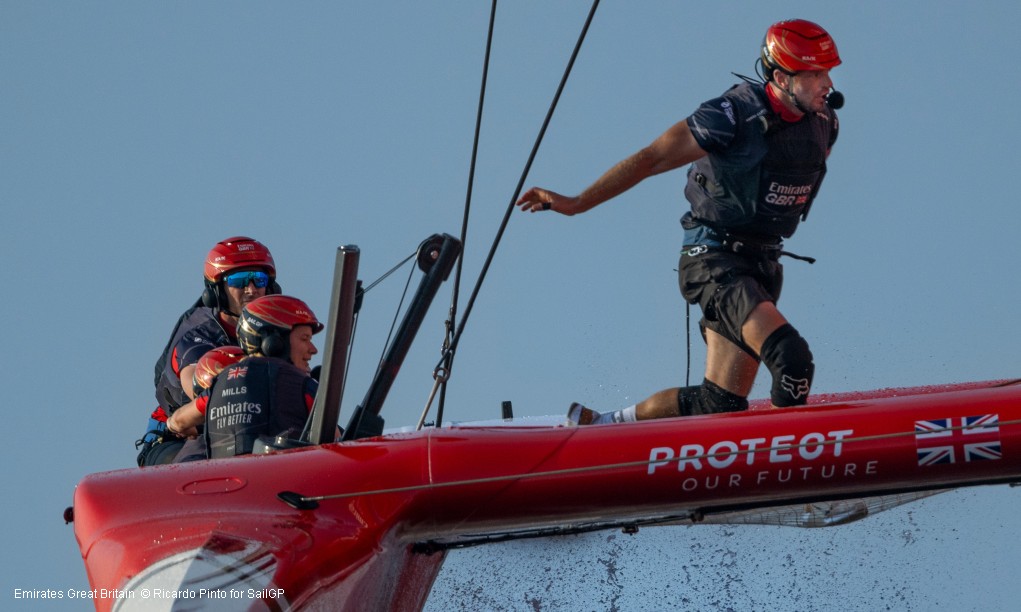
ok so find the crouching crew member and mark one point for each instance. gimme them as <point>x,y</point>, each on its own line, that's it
<point>207,369</point>
<point>237,271</point>
<point>269,392</point>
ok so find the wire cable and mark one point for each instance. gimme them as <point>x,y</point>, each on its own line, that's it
<point>517,192</point>
<point>448,356</point>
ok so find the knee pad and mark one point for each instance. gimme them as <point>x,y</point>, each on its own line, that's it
<point>708,398</point>
<point>788,358</point>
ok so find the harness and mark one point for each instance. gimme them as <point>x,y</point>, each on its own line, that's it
<point>747,246</point>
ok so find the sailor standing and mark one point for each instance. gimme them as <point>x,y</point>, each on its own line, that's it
<point>758,157</point>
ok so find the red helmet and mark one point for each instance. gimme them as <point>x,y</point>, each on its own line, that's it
<point>796,45</point>
<point>212,363</point>
<point>266,322</point>
<point>237,252</point>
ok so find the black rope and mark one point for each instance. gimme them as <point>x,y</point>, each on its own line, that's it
<point>388,273</point>
<point>397,313</point>
<point>517,192</point>
<point>448,355</point>
<point>687,342</point>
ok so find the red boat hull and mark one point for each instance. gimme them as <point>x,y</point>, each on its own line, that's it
<point>217,529</point>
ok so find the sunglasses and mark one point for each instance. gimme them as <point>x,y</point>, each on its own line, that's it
<point>240,280</point>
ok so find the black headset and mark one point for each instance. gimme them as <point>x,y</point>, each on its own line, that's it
<point>273,344</point>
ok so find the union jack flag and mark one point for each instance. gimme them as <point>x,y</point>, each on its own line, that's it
<point>237,372</point>
<point>965,439</point>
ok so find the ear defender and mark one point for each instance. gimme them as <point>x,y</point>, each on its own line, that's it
<point>211,297</point>
<point>273,345</point>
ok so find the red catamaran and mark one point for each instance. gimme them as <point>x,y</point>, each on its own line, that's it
<point>365,523</point>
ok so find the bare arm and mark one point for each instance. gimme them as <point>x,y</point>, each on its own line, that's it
<point>187,372</point>
<point>185,420</point>
<point>674,148</point>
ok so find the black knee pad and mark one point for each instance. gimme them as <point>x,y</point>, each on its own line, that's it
<point>789,360</point>
<point>708,398</point>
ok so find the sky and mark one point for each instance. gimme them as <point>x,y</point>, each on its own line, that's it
<point>134,135</point>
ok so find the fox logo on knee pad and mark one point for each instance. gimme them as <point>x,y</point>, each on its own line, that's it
<point>797,387</point>
<point>789,360</point>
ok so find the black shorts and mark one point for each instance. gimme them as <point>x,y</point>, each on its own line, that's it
<point>728,287</point>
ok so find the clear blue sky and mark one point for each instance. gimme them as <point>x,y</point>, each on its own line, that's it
<point>135,135</point>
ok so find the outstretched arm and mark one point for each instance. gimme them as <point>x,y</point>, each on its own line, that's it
<point>674,148</point>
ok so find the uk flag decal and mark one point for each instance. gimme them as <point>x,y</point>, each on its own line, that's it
<point>237,372</point>
<point>958,440</point>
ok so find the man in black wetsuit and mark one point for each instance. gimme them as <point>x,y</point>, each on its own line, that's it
<point>268,393</point>
<point>758,156</point>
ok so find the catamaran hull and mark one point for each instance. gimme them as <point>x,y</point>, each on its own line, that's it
<point>372,518</point>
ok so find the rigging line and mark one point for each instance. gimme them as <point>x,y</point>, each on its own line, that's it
<point>397,312</point>
<point>448,357</point>
<point>432,546</point>
<point>521,181</point>
<point>639,463</point>
<point>687,343</point>
<point>765,515</point>
<point>388,273</point>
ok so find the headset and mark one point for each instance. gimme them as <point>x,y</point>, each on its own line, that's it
<point>273,344</point>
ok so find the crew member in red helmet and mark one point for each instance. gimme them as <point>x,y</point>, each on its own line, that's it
<point>757,158</point>
<point>207,369</point>
<point>237,271</point>
<point>269,392</point>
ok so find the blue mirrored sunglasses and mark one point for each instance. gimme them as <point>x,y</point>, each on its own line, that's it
<point>240,280</point>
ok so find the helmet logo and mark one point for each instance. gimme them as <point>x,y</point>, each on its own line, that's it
<point>246,247</point>
<point>251,321</point>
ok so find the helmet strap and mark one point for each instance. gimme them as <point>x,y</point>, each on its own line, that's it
<point>788,91</point>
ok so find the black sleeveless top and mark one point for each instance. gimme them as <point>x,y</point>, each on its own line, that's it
<point>255,397</point>
<point>761,173</point>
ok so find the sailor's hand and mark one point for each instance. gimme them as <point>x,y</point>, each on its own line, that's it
<point>536,199</point>
<point>175,430</point>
